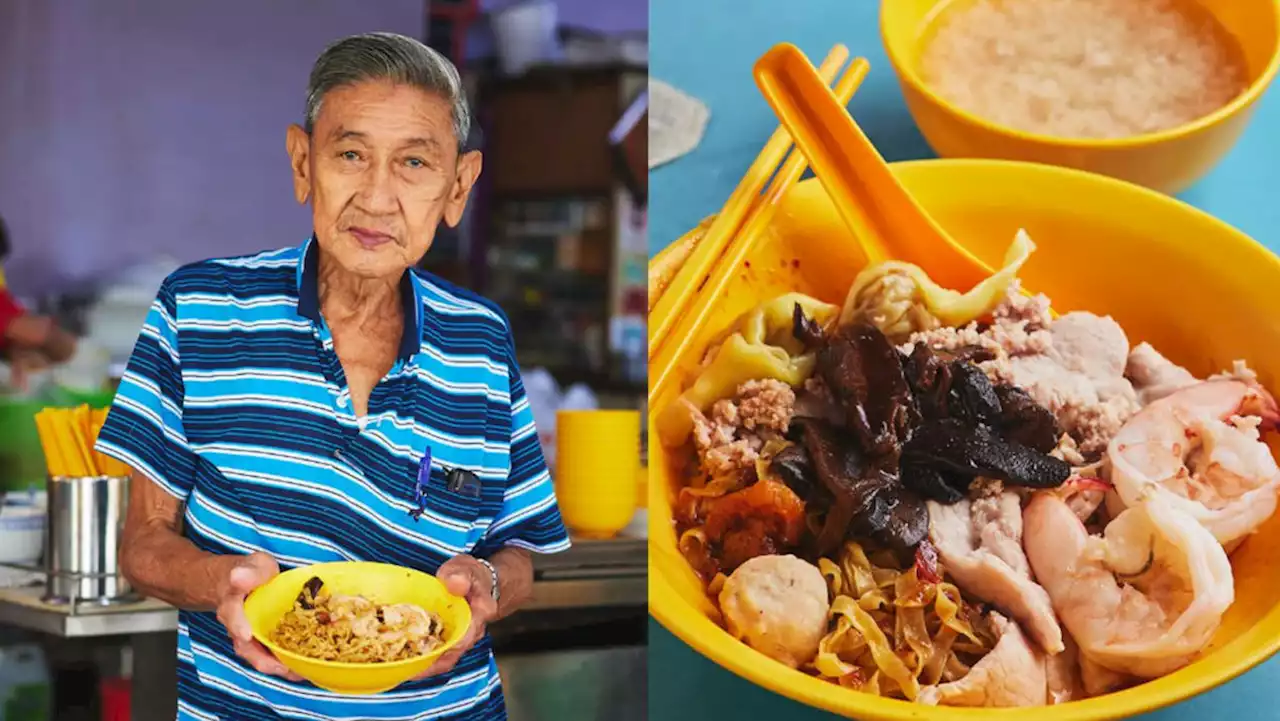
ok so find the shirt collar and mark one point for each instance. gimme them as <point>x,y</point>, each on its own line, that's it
<point>309,298</point>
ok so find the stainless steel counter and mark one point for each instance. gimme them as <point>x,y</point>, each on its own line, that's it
<point>590,683</point>
<point>592,574</point>
<point>23,608</point>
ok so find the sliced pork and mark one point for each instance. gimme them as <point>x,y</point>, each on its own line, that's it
<point>1012,674</point>
<point>1098,680</point>
<point>1074,365</point>
<point>1154,376</point>
<point>979,542</point>
<point>1062,672</point>
<point>1080,378</point>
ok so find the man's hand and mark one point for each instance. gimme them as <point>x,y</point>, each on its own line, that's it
<point>247,574</point>
<point>466,577</point>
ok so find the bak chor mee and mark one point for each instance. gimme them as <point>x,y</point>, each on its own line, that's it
<point>961,499</point>
<point>354,629</point>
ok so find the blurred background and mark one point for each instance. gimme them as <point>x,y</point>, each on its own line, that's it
<point>138,135</point>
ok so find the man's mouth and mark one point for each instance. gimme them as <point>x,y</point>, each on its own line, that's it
<point>370,239</point>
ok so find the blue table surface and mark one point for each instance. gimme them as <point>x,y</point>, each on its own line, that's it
<point>707,48</point>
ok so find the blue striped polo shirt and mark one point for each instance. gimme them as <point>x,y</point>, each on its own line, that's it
<point>234,402</point>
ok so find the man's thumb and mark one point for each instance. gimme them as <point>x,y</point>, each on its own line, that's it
<point>243,579</point>
<point>251,572</point>
<point>458,582</point>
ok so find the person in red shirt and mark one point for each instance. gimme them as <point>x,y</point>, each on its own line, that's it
<point>28,341</point>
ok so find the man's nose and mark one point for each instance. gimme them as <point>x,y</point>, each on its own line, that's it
<point>378,194</point>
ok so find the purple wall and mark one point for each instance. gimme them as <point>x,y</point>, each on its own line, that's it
<point>142,127</point>
<point>135,128</point>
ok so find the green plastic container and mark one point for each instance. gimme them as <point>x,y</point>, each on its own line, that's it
<point>22,463</point>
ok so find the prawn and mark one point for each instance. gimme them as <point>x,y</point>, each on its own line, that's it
<point>1084,494</point>
<point>1144,597</point>
<point>408,617</point>
<point>1199,451</point>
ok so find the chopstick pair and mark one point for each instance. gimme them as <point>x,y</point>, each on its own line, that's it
<point>748,208</point>
<point>67,437</point>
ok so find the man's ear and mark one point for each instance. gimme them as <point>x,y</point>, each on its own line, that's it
<point>469,164</point>
<point>298,144</point>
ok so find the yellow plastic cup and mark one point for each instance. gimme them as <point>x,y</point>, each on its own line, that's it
<point>379,582</point>
<point>597,459</point>
<point>1168,160</point>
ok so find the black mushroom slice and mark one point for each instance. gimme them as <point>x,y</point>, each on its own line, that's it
<point>856,487</point>
<point>947,383</point>
<point>950,445</point>
<point>932,483</point>
<point>805,329</point>
<point>907,526</point>
<point>970,353</point>
<point>1024,421</point>
<point>863,370</point>
<point>972,398</point>
<point>307,596</point>
<point>792,465</point>
<point>882,490</point>
<point>929,377</point>
<point>815,403</point>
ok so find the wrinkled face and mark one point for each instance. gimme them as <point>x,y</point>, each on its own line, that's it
<point>381,170</point>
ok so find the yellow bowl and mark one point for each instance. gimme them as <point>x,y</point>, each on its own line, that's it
<point>1197,289</point>
<point>379,582</point>
<point>1169,160</point>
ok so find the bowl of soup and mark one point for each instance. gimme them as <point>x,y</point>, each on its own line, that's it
<point>1151,91</point>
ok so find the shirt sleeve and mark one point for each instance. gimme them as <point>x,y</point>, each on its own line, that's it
<point>144,427</point>
<point>529,518</point>
<point>9,310</point>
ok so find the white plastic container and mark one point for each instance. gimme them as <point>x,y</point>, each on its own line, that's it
<point>524,33</point>
<point>23,520</point>
<point>88,369</point>
<point>115,320</point>
<point>544,400</point>
<point>23,517</point>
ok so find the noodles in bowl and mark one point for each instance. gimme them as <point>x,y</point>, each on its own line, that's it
<point>1105,246</point>
<point>355,629</point>
<point>963,499</point>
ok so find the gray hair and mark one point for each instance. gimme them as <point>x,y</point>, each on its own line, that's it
<point>388,56</point>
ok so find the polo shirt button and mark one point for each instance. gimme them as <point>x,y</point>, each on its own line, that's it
<point>342,401</point>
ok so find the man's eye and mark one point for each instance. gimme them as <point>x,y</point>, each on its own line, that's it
<point>349,155</point>
<point>415,163</point>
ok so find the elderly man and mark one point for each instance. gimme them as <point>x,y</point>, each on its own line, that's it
<point>278,408</point>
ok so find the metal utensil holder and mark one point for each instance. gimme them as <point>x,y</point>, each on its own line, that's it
<point>73,581</point>
<point>82,549</point>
